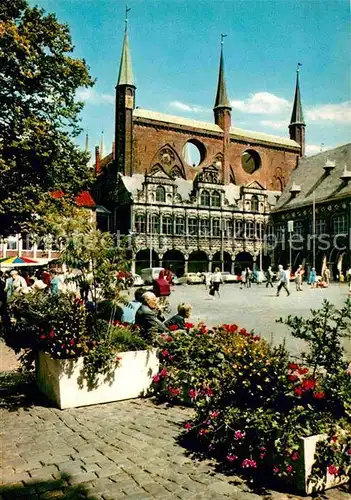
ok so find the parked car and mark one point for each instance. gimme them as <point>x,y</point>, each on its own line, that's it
<point>190,279</point>
<point>228,277</point>
<point>138,281</point>
<point>149,274</point>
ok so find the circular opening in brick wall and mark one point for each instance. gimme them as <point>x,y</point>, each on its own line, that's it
<point>194,153</point>
<point>250,161</point>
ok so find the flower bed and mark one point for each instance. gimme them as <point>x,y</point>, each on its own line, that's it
<point>254,405</point>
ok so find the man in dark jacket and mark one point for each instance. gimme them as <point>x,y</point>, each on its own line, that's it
<point>147,316</point>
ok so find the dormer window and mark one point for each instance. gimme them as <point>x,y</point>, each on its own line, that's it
<point>215,199</point>
<point>205,198</point>
<point>160,194</point>
<point>254,203</point>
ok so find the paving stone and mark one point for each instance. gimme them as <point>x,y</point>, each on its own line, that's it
<point>81,478</point>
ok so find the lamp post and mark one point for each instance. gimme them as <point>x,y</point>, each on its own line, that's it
<point>222,245</point>
<point>150,249</point>
<point>290,231</point>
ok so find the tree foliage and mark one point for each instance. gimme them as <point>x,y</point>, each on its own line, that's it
<point>39,115</point>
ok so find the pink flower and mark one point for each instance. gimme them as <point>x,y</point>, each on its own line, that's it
<point>208,391</point>
<point>169,338</point>
<point>289,469</point>
<point>248,462</point>
<point>348,452</point>
<point>165,353</point>
<point>333,471</point>
<point>295,456</point>
<point>238,435</point>
<point>72,342</point>
<point>174,391</point>
<point>262,455</point>
<point>52,334</point>
<point>188,426</point>
<point>163,373</point>
<point>203,431</point>
<point>276,469</point>
<point>156,378</point>
<point>231,457</point>
<point>43,337</point>
<point>192,393</point>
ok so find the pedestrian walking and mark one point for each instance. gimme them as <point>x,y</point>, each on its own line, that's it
<point>327,276</point>
<point>248,277</point>
<point>298,278</point>
<point>283,280</point>
<point>243,279</point>
<point>269,277</point>
<point>217,280</point>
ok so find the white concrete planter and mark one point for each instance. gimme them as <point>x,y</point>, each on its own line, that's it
<point>62,382</point>
<point>305,464</point>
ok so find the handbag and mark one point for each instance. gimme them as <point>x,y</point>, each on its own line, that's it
<point>212,291</point>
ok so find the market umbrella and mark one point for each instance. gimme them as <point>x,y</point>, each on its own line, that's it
<point>17,262</point>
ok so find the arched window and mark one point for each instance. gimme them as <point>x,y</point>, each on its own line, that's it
<point>167,224</point>
<point>216,227</point>
<point>160,194</point>
<point>180,225</point>
<point>254,203</point>
<point>239,229</point>
<point>215,199</point>
<point>339,224</point>
<point>155,224</point>
<point>205,198</point>
<point>204,227</point>
<point>140,223</point>
<point>192,226</point>
<point>249,230</point>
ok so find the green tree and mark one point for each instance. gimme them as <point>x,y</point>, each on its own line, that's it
<point>39,116</point>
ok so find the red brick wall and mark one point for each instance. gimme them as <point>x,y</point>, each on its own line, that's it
<point>149,139</point>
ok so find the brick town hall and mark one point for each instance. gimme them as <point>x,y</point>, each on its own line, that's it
<point>193,216</point>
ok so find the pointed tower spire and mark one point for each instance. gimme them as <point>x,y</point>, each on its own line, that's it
<point>102,145</point>
<point>297,122</point>
<point>125,103</point>
<point>125,76</point>
<point>221,97</point>
<point>222,114</point>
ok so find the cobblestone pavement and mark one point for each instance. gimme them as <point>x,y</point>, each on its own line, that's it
<point>126,449</point>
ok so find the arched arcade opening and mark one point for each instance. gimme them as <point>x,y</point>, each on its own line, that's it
<point>217,261</point>
<point>198,262</point>
<point>174,259</point>
<point>143,260</point>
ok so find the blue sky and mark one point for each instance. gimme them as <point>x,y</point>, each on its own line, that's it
<point>175,48</point>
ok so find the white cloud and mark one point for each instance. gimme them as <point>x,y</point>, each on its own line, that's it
<point>188,108</point>
<point>313,149</point>
<point>263,103</point>
<point>339,113</point>
<point>92,97</point>
<point>277,124</point>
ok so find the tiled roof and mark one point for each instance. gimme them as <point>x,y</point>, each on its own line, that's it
<point>311,178</point>
<point>236,133</point>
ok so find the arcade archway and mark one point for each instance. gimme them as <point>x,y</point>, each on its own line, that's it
<point>174,259</point>
<point>142,260</point>
<point>243,260</point>
<point>198,262</point>
<point>217,261</point>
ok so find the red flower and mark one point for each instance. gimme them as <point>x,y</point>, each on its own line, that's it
<point>298,390</point>
<point>52,334</point>
<point>163,373</point>
<point>238,435</point>
<point>203,431</point>
<point>243,331</point>
<point>302,371</point>
<point>262,455</point>
<point>289,469</point>
<point>63,346</point>
<point>293,366</point>
<point>334,439</point>
<point>214,414</point>
<point>231,457</point>
<point>43,337</point>
<point>188,325</point>
<point>173,390</point>
<point>171,358</point>
<point>187,426</point>
<point>72,342</point>
<point>348,452</point>
<point>308,384</point>
<point>169,338</point>
<point>295,456</point>
<point>319,395</point>
<point>156,378</point>
<point>192,393</point>
<point>173,328</point>
<point>333,471</point>
<point>165,353</point>
<point>208,391</point>
<point>204,330</point>
<point>256,337</point>
<point>293,378</point>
